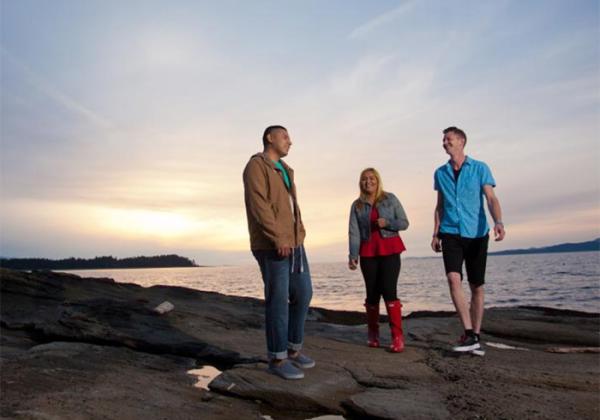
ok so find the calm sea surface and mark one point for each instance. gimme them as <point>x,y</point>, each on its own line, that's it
<point>566,281</point>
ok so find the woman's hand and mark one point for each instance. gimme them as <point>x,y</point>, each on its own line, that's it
<point>352,263</point>
<point>381,222</point>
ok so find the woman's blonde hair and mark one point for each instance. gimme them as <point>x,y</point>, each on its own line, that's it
<point>379,194</point>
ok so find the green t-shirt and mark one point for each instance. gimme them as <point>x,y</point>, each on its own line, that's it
<point>286,178</point>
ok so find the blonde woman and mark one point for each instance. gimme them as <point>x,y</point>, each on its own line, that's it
<point>376,216</point>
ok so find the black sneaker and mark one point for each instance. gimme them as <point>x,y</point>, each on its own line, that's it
<point>467,343</point>
<point>480,351</point>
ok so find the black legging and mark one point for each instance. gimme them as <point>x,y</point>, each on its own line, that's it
<point>381,277</point>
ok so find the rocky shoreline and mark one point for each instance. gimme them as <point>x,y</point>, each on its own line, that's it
<point>81,348</point>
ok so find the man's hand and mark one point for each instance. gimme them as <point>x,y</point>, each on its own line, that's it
<point>352,263</point>
<point>436,244</point>
<point>499,231</point>
<point>381,222</point>
<point>284,252</point>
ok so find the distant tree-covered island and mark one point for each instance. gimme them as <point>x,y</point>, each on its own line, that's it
<point>159,261</point>
<point>593,245</point>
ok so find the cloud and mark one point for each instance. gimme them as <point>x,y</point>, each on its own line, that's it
<point>381,20</point>
<point>37,81</point>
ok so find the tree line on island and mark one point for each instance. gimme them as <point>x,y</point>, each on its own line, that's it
<point>593,245</point>
<point>160,261</point>
<point>172,260</point>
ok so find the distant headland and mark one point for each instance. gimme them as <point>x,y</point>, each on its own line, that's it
<point>159,261</point>
<point>593,245</point>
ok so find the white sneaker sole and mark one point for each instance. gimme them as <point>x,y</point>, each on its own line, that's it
<point>478,352</point>
<point>281,375</point>
<point>303,366</point>
<point>462,349</point>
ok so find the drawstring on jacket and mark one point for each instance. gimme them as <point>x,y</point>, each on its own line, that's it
<point>301,260</point>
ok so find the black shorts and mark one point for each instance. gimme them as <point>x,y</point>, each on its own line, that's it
<point>473,251</point>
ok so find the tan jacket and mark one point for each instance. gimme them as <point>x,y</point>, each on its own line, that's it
<point>272,222</point>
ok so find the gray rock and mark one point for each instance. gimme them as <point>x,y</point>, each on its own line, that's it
<point>322,389</point>
<point>94,348</point>
<point>40,306</point>
<point>62,380</point>
<point>410,403</point>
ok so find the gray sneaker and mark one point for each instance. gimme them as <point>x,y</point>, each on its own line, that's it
<point>286,370</point>
<point>302,361</point>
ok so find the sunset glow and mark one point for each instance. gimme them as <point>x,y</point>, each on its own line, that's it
<point>149,223</point>
<point>125,127</point>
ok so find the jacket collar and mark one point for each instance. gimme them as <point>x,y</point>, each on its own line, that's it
<point>366,202</point>
<point>269,162</point>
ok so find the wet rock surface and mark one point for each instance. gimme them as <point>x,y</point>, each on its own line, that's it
<point>75,347</point>
<point>66,380</point>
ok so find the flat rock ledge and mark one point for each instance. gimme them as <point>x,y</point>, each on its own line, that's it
<point>87,348</point>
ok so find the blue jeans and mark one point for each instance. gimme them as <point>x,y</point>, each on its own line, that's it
<point>288,291</point>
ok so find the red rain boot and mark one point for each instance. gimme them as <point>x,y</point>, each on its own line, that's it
<point>394,310</point>
<point>373,324</point>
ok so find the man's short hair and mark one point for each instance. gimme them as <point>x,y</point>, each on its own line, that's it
<point>269,130</point>
<point>456,131</point>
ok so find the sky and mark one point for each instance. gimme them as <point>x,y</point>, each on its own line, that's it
<point>125,125</point>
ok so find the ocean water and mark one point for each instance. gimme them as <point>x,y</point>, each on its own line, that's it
<point>562,280</point>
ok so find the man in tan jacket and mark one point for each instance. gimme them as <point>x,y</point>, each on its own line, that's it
<point>276,239</point>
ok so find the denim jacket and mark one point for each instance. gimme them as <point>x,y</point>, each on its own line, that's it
<point>359,228</point>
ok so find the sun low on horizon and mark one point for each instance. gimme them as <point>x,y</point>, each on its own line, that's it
<point>125,127</point>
